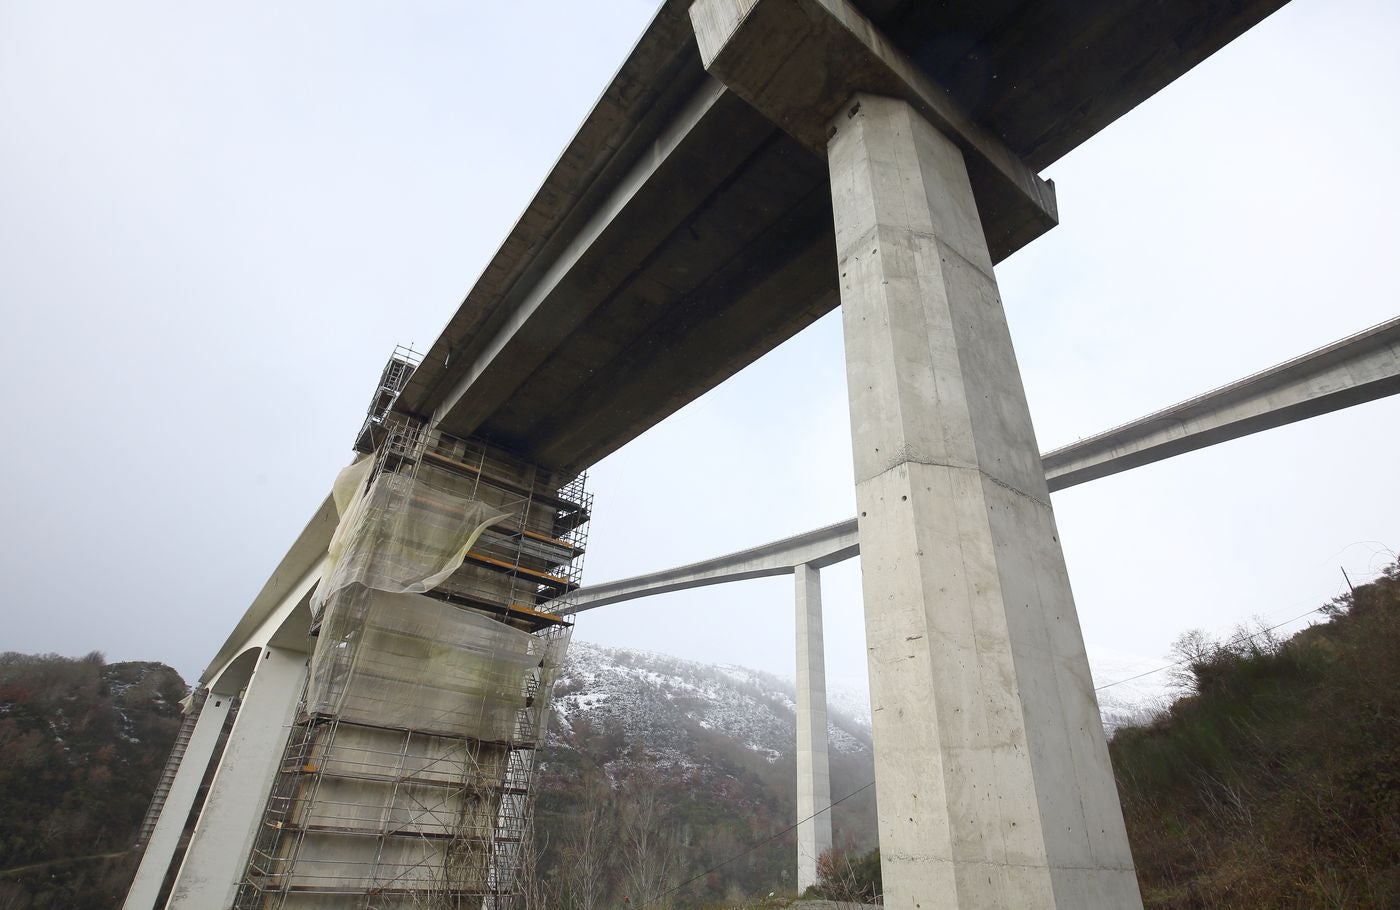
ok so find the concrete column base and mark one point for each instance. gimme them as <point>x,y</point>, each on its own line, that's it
<point>994,783</point>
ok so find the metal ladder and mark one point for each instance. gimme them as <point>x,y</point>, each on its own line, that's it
<point>172,766</point>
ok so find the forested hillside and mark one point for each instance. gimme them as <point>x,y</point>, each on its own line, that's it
<point>82,743</point>
<point>1276,782</point>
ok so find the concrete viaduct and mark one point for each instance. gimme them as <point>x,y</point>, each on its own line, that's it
<point>753,164</point>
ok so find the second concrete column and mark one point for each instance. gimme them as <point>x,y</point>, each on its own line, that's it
<point>813,774</point>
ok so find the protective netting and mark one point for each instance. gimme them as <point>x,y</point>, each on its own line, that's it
<point>404,533</point>
<point>400,533</point>
<point>408,773</point>
<point>422,664</point>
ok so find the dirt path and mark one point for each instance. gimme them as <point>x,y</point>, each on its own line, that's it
<point>58,862</point>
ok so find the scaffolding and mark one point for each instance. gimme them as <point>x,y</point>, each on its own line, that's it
<point>392,380</point>
<point>408,775</point>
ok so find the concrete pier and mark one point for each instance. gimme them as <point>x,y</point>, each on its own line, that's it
<point>813,770</point>
<point>218,850</point>
<point>995,785</point>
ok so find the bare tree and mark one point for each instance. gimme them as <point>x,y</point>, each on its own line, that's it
<point>838,879</point>
<point>1192,650</point>
<point>587,850</point>
<point>534,888</point>
<point>649,845</point>
<point>1255,638</point>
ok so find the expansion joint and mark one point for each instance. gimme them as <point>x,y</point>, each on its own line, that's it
<point>908,460</point>
<point>876,233</point>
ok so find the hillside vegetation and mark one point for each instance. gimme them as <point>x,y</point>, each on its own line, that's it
<point>1276,782</point>
<point>82,743</point>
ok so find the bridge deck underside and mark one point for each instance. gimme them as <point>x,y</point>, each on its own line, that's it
<point>681,235</point>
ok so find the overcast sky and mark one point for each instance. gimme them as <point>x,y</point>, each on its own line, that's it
<point>217,220</point>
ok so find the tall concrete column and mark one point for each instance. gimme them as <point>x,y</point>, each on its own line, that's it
<point>223,836</point>
<point>165,837</point>
<point>994,783</point>
<point>813,773</point>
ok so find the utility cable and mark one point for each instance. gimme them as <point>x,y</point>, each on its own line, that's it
<point>1184,661</point>
<point>1251,637</point>
<point>741,854</point>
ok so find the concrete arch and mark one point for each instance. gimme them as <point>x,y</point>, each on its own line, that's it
<point>236,675</point>
<point>280,614</point>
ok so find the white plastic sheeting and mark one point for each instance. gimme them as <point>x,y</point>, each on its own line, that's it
<point>402,533</point>
<point>415,662</point>
<point>411,776</point>
<point>421,664</point>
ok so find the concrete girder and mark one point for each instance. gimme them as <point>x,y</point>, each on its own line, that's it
<point>666,275</point>
<point>631,111</point>
<point>1356,369</point>
<point>1353,370</point>
<point>546,314</point>
<point>271,614</point>
<point>799,62</point>
<point>818,548</point>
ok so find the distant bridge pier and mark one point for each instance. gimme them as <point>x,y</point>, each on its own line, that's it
<point>223,836</point>
<point>813,770</point>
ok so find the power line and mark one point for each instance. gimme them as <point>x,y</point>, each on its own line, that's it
<point>753,847</point>
<point>1179,663</point>
<point>1184,661</point>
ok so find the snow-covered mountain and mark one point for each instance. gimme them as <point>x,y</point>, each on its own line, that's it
<point>707,750</point>
<point>727,734</point>
<point>1130,687</point>
<point>664,705</point>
